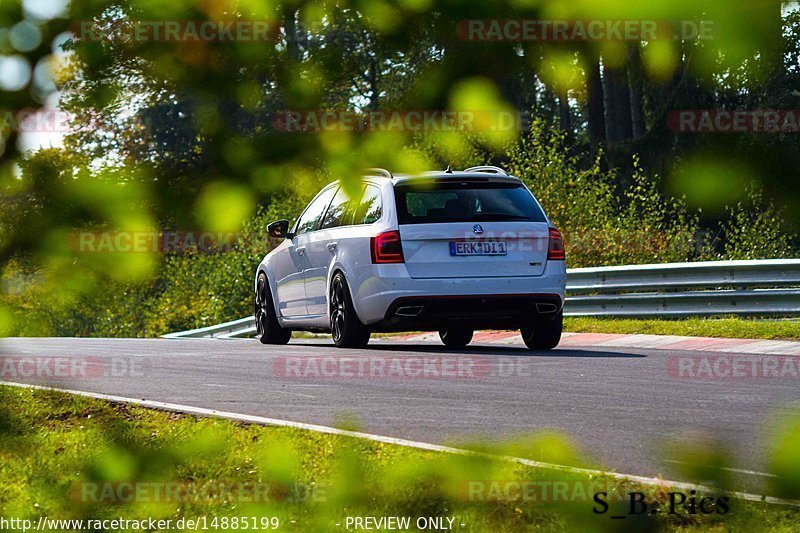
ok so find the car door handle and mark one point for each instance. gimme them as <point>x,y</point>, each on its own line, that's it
<point>300,250</point>
<point>331,246</point>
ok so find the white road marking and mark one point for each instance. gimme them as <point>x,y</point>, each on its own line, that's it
<point>737,470</point>
<point>260,420</point>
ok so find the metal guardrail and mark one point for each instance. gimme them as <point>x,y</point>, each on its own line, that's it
<point>228,330</point>
<point>704,289</point>
<point>670,290</point>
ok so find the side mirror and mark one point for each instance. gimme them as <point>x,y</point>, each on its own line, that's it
<point>279,230</point>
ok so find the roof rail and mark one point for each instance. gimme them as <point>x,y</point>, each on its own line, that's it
<point>487,168</point>
<point>381,172</point>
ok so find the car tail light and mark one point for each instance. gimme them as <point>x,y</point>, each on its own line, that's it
<point>386,247</point>
<point>555,250</point>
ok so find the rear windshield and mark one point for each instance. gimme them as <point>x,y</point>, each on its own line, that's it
<point>427,203</point>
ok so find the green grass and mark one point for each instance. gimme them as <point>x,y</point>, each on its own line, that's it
<point>53,446</point>
<point>738,328</point>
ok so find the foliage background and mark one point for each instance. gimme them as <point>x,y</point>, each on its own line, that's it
<point>185,135</point>
<point>602,226</point>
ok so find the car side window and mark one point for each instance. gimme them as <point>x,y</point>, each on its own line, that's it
<point>370,207</point>
<point>312,216</point>
<point>337,212</point>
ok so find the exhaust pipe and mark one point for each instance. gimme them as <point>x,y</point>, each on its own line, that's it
<point>410,310</point>
<point>546,309</point>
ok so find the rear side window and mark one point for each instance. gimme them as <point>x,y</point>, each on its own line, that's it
<point>338,212</point>
<point>427,203</point>
<point>312,216</point>
<point>370,206</point>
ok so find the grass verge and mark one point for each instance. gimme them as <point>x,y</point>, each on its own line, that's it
<point>71,458</point>
<point>738,328</point>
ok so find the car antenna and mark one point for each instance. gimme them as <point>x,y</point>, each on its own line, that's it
<point>448,170</point>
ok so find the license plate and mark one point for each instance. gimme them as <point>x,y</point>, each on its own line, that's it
<point>477,248</point>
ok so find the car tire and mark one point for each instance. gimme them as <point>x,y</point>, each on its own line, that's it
<point>544,334</point>
<point>346,329</point>
<point>268,330</point>
<point>456,337</point>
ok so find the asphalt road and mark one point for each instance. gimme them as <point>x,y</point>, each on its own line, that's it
<point>619,406</point>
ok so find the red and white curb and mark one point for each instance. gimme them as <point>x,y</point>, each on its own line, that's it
<point>615,340</point>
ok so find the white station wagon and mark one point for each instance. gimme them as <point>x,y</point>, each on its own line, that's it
<point>447,251</point>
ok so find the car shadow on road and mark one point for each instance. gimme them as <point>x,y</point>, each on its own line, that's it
<point>507,351</point>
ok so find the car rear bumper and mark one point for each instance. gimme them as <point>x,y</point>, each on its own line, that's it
<point>499,311</point>
<point>377,297</point>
